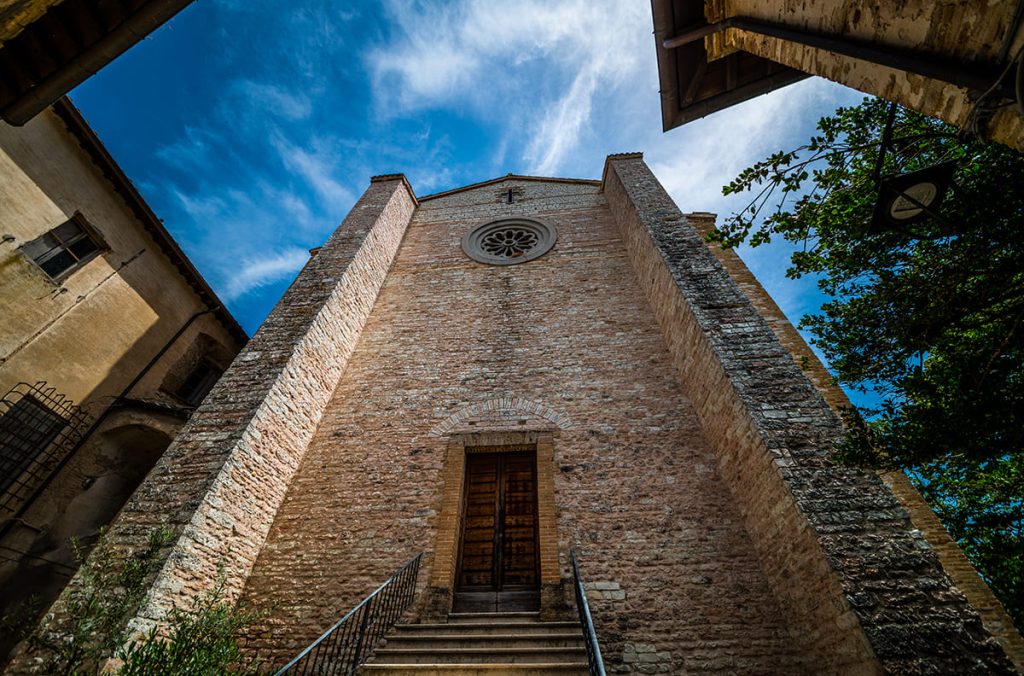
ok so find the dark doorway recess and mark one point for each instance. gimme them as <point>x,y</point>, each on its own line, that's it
<point>499,567</point>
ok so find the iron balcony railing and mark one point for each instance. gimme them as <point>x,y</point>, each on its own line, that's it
<point>38,428</point>
<point>594,662</point>
<point>346,645</point>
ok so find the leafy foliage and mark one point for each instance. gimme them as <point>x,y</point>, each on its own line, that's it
<point>929,315</point>
<point>107,591</point>
<point>200,641</point>
<point>980,504</point>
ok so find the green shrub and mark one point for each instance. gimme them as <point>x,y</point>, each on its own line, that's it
<point>99,602</point>
<point>106,594</point>
<point>199,641</point>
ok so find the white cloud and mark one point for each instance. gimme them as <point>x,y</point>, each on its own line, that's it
<point>559,131</point>
<point>527,65</point>
<point>272,99</point>
<point>191,151</point>
<point>234,214</point>
<point>694,161</point>
<point>201,208</point>
<point>252,273</point>
<point>316,167</point>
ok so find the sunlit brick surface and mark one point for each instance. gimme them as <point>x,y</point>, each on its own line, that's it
<point>636,485</point>
<point>684,453</point>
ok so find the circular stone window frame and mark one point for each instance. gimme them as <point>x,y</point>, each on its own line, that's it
<point>473,241</point>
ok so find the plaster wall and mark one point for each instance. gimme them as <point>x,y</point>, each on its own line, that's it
<point>87,335</point>
<point>90,333</point>
<point>967,31</point>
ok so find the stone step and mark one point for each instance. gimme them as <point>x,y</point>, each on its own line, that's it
<point>494,641</point>
<point>476,618</point>
<point>482,643</point>
<point>479,656</point>
<point>539,669</point>
<point>486,628</point>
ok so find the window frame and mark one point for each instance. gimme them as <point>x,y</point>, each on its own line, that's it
<point>88,231</point>
<point>190,395</point>
<point>32,427</point>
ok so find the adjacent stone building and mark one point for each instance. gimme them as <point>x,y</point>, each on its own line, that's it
<point>957,60</point>
<point>572,352</point>
<point>109,339</point>
<point>48,47</point>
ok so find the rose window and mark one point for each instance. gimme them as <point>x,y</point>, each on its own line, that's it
<point>509,241</point>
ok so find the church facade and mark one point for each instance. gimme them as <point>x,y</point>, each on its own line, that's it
<point>498,375</point>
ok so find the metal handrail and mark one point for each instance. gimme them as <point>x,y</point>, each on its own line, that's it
<point>595,664</point>
<point>347,644</point>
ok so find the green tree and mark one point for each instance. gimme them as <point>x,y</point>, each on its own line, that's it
<point>929,315</point>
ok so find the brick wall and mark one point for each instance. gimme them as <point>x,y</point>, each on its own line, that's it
<point>995,619</point>
<point>686,455</point>
<point>861,588</point>
<point>565,344</point>
<point>221,481</point>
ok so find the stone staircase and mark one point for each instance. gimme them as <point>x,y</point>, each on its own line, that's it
<point>481,643</point>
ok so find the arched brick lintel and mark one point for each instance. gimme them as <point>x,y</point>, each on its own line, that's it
<point>501,409</point>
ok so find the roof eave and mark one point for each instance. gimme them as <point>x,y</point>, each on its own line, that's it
<point>674,112</point>
<point>700,109</point>
<point>661,11</point>
<point>99,154</point>
<point>84,61</point>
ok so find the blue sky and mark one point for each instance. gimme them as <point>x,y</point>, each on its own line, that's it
<point>252,126</point>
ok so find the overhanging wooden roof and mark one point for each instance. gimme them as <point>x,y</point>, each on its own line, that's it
<point>691,86</point>
<point>65,44</point>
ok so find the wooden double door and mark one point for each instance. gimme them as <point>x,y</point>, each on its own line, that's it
<point>499,568</point>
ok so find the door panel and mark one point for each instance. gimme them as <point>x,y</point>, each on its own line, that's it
<point>480,525</point>
<point>519,531</point>
<point>498,564</point>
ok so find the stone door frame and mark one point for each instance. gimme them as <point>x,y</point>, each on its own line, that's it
<point>440,593</point>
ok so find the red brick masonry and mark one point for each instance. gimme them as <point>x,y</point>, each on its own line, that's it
<point>682,451</point>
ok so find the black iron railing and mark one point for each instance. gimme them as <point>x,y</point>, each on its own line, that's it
<point>346,645</point>
<point>38,428</point>
<point>594,661</point>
